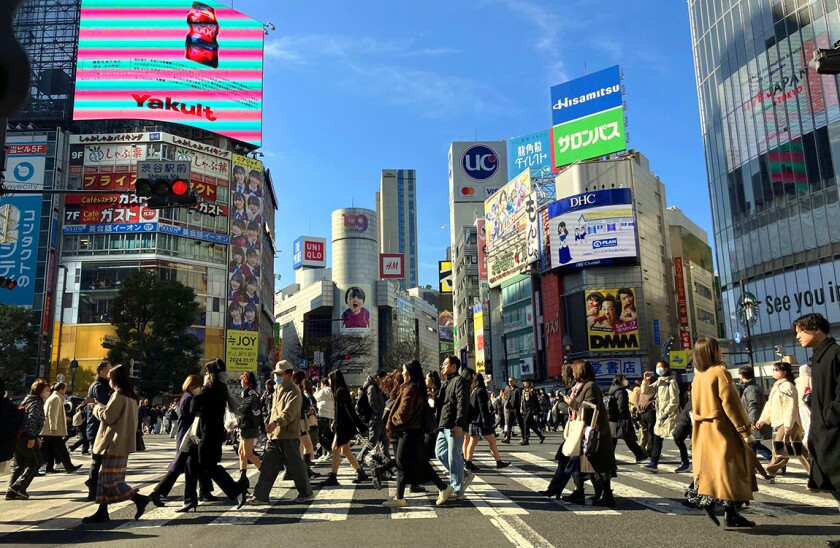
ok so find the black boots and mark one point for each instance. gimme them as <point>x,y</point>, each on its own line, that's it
<point>603,493</point>
<point>101,515</point>
<point>470,466</point>
<point>141,501</point>
<point>734,519</point>
<point>330,481</point>
<point>361,476</point>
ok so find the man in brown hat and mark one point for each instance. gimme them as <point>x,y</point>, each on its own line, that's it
<point>283,449</point>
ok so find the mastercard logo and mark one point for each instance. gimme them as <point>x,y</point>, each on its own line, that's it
<point>467,191</point>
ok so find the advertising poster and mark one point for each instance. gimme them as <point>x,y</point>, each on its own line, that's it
<point>481,232</point>
<point>241,350</point>
<point>355,308</point>
<point>25,160</point>
<point>504,212</point>
<point>477,170</point>
<point>587,95</point>
<point>446,324</point>
<point>679,359</point>
<point>594,228</point>
<point>478,327</point>
<point>532,151</point>
<point>591,137</point>
<point>20,219</point>
<point>507,262</point>
<point>611,319</point>
<point>445,276</point>
<point>194,63</point>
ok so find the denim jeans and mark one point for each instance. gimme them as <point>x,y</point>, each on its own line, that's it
<point>449,451</point>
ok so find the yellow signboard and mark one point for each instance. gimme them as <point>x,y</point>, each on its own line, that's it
<point>478,327</point>
<point>242,350</point>
<point>679,358</point>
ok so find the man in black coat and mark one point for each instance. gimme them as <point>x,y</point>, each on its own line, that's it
<point>454,422</point>
<point>530,410</point>
<point>824,437</point>
<point>99,392</point>
<point>512,411</point>
<point>376,424</point>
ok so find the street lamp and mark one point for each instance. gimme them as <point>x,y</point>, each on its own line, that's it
<point>567,348</point>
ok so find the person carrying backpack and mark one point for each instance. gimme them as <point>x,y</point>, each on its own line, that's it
<point>621,422</point>
<point>28,444</point>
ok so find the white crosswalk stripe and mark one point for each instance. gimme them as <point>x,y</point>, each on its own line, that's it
<point>333,503</point>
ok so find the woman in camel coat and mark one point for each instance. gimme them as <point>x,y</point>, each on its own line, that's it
<point>723,461</point>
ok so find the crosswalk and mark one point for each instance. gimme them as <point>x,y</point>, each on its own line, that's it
<point>506,497</point>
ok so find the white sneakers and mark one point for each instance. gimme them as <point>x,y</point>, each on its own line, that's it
<point>444,495</point>
<point>395,503</point>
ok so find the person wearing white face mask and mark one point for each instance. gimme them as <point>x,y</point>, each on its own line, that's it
<point>667,404</point>
<point>782,413</point>
<point>621,423</point>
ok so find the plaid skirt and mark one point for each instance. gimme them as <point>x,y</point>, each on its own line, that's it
<point>112,487</point>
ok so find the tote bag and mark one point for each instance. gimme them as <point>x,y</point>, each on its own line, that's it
<point>573,437</point>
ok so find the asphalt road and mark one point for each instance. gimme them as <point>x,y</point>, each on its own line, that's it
<point>502,509</point>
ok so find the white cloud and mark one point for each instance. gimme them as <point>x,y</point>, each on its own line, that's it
<point>548,26</point>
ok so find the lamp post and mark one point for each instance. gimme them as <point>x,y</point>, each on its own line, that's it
<point>567,348</point>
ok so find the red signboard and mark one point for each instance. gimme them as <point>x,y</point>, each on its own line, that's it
<point>682,301</point>
<point>482,249</point>
<point>391,266</point>
<point>685,340</point>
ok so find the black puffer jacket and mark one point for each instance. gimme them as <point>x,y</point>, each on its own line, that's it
<point>456,403</point>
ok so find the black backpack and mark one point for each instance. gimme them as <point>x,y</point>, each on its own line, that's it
<point>611,403</point>
<point>363,408</point>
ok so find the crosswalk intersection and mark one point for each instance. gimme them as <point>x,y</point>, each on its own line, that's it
<point>504,497</point>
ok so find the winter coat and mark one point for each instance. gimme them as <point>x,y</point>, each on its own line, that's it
<point>480,404</point>
<point>803,386</point>
<point>34,419</point>
<point>118,426</point>
<point>55,423</point>
<point>530,402</point>
<point>824,437</point>
<point>208,407</point>
<point>326,406</point>
<point>456,403</point>
<point>753,401</point>
<point>514,398</point>
<point>722,461</point>
<point>347,422</point>
<point>406,410</point>
<point>782,407</point>
<point>624,424</point>
<point>286,411</point>
<point>249,412</point>
<point>99,391</point>
<point>376,399</point>
<point>667,405</point>
<point>603,461</point>
<point>184,424</point>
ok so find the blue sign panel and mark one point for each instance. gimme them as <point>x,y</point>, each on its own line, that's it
<point>657,338</point>
<point>194,233</point>
<point>110,228</point>
<point>19,247</point>
<point>585,96</point>
<point>529,151</point>
<point>297,257</point>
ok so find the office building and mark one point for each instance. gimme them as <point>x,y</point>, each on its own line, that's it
<point>396,210</point>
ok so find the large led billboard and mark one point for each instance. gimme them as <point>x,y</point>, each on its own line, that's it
<point>194,63</point>
<point>594,228</point>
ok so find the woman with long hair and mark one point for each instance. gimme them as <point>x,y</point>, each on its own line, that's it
<point>482,425</point>
<point>115,441</point>
<point>721,441</point>
<point>299,378</point>
<point>347,427</point>
<point>435,400</point>
<point>205,448</point>
<point>249,417</point>
<point>406,418</point>
<point>782,413</point>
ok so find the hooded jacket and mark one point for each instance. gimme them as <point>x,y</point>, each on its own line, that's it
<point>376,399</point>
<point>667,405</point>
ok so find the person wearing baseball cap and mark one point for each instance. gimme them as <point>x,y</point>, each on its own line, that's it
<point>283,430</point>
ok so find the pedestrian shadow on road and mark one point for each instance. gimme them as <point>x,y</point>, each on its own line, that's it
<point>790,530</point>
<point>81,536</point>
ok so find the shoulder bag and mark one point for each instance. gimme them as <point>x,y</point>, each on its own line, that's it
<point>79,416</point>
<point>573,437</point>
<point>591,436</point>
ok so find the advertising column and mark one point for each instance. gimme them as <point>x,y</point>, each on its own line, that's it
<point>246,211</point>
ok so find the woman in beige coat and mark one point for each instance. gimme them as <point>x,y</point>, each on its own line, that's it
<point>723,460</point>
<point>55,430</point>
<point>782,413</point>
<point>115,440</point>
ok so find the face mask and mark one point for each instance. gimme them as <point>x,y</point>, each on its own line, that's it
<point>625,383</point>
<point>660,371</point>
<point>278,379</point>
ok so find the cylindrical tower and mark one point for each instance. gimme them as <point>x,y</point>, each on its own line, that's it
<point>355,251</point>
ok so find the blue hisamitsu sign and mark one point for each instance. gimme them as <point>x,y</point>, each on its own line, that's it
<point>19,247</point>
<point>585,96</point>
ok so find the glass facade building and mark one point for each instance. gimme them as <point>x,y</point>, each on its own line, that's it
<point>771,131</point>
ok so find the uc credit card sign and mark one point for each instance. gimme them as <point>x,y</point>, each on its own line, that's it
<point>587,95</point>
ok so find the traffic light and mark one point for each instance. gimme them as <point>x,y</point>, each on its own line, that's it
<point>164,193</point>
<point>7,283</point>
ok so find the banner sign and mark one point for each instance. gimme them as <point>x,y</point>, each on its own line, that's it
<point>611,320</point>
<point>391,266</point>
<point>590,137</point>
<point>21,216</point>
<point>531,151</point>
<point>507,262</point>
<point>532,228</point>
<point>504,212</point>
<point>587,95</point>
<point>445,276</point>
<point>309,251</point>
<point>25,163</point>
<point>241,351</point>
<point>478,327</point>
<point>609,368</point>
<point>481,232</point>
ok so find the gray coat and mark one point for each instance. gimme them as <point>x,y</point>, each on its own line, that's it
<point>753,399</point>
<point>376,399</point>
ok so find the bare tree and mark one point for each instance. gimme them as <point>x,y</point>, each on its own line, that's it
<point>403,350</point>
<point>349,353</point>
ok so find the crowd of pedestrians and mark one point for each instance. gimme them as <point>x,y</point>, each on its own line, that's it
<point>403,421</point>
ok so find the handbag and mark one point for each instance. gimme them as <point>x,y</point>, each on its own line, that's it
<point>79,417</point>
<point>195,431</point>
<point>573,437</point>
<point>591,436</point>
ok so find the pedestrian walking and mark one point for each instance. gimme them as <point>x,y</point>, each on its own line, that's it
<point>682,432</point>
<point>512,410</point>
<point>812,331</point>
<point>55,431</point>
<point>347,427</point>
<point>284,431</point>
<point>408,418</point>
<point>27,455</point>
<point>618,413</point>
<point>80,423</point>
<point>435,401</point>
<point>454,421</point>
<point>191,386</point>
<point>753,400</point>
<point>482,425</point>
<point>207,438</point>
<point>530,410</point>
<point>721,440</point>
<point>642,401</point>
<point>306,410</point>
<point>667,410</point>
<point>781,412</point>
<point>803,390</point>
<point>115,441</point>
<point>98,392</point>
<point>375,409</point>
<point>249,420</point>
<point>326,414</point>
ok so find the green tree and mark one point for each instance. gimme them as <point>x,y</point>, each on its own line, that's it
<point>151,317</point>
<point>18,337</point>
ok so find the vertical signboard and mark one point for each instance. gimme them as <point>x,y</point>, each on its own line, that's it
<point>481,232</point>
<point>682,303</point>
<point>25,160</point>
<point>20,221</point>
<point>478,327</point>
<point>445,276</point>
<point>243,320</point>
<point>532,229</point>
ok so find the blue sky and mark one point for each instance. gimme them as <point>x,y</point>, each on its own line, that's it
<point>352,88</point>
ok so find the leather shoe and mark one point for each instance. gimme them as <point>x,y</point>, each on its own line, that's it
<point>833,543</point>
<point>209,497</point>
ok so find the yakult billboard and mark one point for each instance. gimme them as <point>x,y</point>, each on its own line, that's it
<point>194,63</point>
<point>310,251</point>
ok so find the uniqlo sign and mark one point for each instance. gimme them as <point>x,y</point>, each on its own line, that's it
<point>391,266</point>
<point>310,251</point>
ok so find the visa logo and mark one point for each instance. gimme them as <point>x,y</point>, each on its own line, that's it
<point>609,242</point>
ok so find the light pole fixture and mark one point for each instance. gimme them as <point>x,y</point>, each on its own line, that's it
<point>567,348</point>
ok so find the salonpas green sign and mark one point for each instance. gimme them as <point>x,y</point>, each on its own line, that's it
<point>590,137</point>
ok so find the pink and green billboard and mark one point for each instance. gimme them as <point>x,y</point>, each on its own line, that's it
<point>194,63</point>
